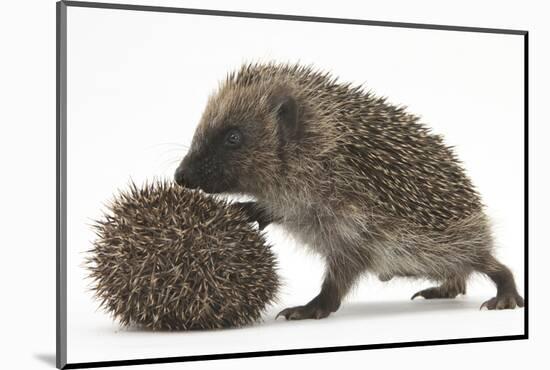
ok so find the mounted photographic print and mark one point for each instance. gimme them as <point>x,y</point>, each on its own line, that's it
<point>241,184</point>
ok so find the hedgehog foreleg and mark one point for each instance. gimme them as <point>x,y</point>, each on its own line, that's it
<point>338,280</point>
<point>449,289</point>
<point>256,213</point>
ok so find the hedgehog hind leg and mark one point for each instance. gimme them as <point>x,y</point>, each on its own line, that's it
<point>507,295</point>
<point>449,289</point>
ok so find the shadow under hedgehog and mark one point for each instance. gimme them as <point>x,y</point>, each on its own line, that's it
<point>358,180</point>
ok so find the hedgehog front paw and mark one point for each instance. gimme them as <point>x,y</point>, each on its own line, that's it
<point>304,312</point>
<point>503,302</point>
<point>255,213</point>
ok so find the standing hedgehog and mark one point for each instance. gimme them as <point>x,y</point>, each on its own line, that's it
<point>358,180</point>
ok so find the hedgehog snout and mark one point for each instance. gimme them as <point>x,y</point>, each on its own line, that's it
<point>184,175</point>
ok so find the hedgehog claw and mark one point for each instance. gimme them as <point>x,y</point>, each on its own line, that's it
<point>485,305</point>
<point>282,313</point>
<point>503,302</point>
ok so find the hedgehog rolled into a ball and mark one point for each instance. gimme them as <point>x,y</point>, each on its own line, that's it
<point>169,258</point>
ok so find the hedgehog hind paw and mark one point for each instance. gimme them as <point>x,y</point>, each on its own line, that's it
<point>504,302</point>
<point>437,292</point>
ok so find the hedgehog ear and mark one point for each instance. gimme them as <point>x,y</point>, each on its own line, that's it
<point>286,110</point>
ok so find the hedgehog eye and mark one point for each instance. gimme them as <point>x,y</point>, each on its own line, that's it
<point>233,138</point>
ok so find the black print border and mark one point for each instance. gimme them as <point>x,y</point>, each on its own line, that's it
<point>61,170</point>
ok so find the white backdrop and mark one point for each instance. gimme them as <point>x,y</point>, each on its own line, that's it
<point>137,84</point>
<point>28,192</point>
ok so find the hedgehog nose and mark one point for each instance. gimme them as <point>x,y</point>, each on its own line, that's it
<point>183,178</point>
<point>179,176</point>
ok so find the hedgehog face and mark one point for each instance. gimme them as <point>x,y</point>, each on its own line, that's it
<point>209,166</point>
<point>238,144</point>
